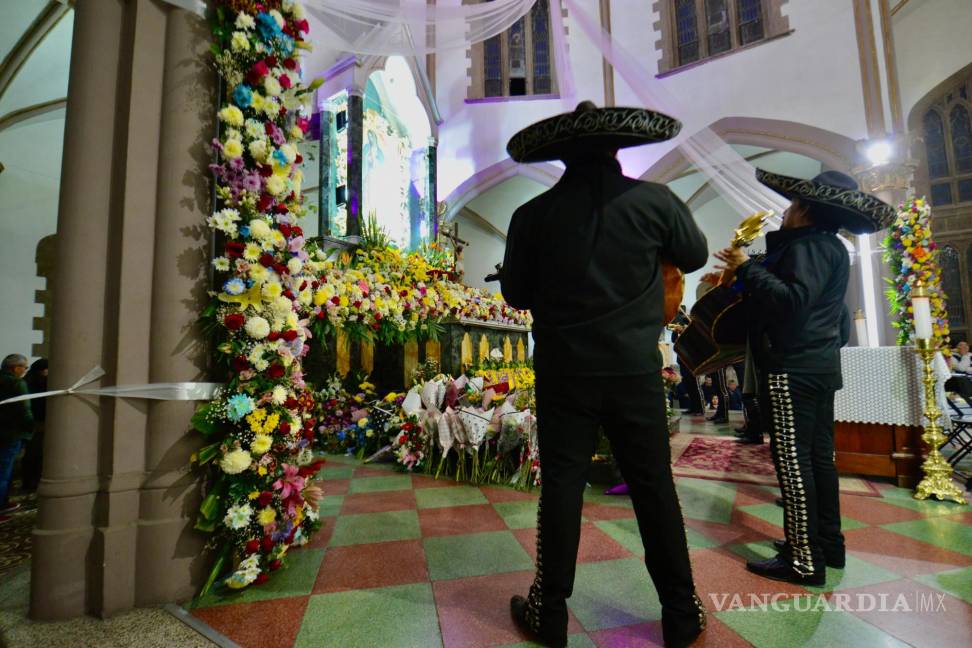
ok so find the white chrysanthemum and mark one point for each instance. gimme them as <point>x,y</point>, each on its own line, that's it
<point>232,149</point>
<point>291,319</point>
<point>295,265</point>
<point>282,306</point>
<point>231,115</point>
<point>278,239</point>
<point>222,264</point>
<point>271,86</point>
<point>259,150</point>
<point>225,221</point>
<point>255,129</point>
<point>238,517</point>
<point>245,21</point>
<point>305,456</point>
<point>298,11</point>
<point>257,327</point>
<point>258,273</point>
<point>252,251</point>
<point>279,395</point>
<point>260,229</point>
<point>261,443</point>
<point>279,18</point>
<point>311,513</point>
<point>240,42</point>
<point>305,297</point>
<point>235,461</point>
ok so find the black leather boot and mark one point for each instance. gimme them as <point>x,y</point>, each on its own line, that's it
<point>520,610</point>
<point>779,569</point>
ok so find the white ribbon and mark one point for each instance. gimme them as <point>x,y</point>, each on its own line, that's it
<point>180,391</point>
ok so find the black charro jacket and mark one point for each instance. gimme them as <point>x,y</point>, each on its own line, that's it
<point>585,258</point>
<point>795,302</point>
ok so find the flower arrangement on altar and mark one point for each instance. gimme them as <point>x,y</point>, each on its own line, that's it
<point>912,255</point>
<point>384,294</point>
<point>260,429</point>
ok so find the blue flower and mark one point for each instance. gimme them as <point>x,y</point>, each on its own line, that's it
<point>234,286</point>
<point>238,406</point>
<point>280,157</point>
<point>245,230</point>
<point>268,27</point>
<point>243,96</point>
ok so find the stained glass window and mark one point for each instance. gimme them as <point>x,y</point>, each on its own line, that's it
<point>540,19</point>
<point>493,67</point>
<point>965,190</point>
<point>935,145</point>
<point>717,26</point>
<point>949,259</point>
<point>516,38</point>
<point>687,30</point>
<point>750,21</point>
<point>961,139</point>
<point>941,194</point>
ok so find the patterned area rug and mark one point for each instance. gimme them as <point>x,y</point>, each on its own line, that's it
<point>15,533</point>
<point>712,457</point>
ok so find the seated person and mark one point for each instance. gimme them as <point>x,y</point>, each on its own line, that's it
<point>708,391</point>
<point>961,360</point>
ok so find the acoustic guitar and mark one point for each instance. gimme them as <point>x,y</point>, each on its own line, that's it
<point>715,336</point>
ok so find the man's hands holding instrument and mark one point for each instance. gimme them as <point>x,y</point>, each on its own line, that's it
<point>732,258</point>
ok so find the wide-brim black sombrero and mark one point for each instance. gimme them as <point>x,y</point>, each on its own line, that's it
<point>834,197</point>
<point>590,129</point>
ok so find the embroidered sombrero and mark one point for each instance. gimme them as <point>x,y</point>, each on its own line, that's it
<point>835,197</point>
<point>589,129</point>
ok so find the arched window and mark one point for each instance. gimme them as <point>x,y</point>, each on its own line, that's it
<point>934,126</point>
<point>694,30</point>
<point>961,139</point>
<point>516,62</point>
<point>949,260</point>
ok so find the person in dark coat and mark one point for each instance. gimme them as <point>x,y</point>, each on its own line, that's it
<point>797,326</point>
<point>36,379</point>
<point>16,423</point>
<point>585,257</point>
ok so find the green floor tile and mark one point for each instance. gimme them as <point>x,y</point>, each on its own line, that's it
<point>595,495</point>
<point>377,484</point>
<point>475,554</point>
<point>375,527</point>
<point>343,459</point>
<point>573,641</point>
<point>856,573</point>
<point>947,534</point>
<point>931,507</point>
<point>625,533</point>
<point>518,515</point>
<point>774,515</point>
<point>296,579</point>
<point>331,505</point>
<point>336,472</point>
<point>957,582</point>
<point>706,499</point>
<point>613,593</point>
<point>789,623</point>
<point>402,616</point>
<point>449,496</point>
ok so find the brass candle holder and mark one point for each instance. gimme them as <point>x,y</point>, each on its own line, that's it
<point>938,472</point>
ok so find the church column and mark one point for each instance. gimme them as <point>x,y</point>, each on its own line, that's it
<point>356,214</point>
<point>325,191</point>
<point>171,563</point>
<point>431,189</point>
<point>62,538</point>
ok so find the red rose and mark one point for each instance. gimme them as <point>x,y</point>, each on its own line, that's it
<point>272,61</point>
<point>285,428</point>
<point>267,544</point>
<point>289,335</point>
<point>284,229</point>
<point>234,321</point>
<point>299,159</point>
<point>309,434</point>
<point>252,547</point>
<point>281,209</point>
<point>285,82</point>
<point>291,403</point>
<point>302,25</point>
<point>315,284</point>
<point>266,260</point>
<point>275,371</point>
<point>321,314</point>
<point>275,565</point>
<point>240,364</point>
<point>303,284</point>
<point>257,72</point>
<point>264,499</point>
<point>234,249</point>
<point>261,579</point>
<point>264,203</point>
<point>290,64</point>
<point>336,300</point>
<point>357,303</point>
<point>281,269</point>
<point>296,230</point>
<point>273,336</point>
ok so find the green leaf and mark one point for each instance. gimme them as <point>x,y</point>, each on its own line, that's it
<point>202,423</point>
<point>216,570</point>
<point>208,453</point>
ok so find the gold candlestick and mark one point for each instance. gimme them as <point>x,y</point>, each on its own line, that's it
<point>938,472</point>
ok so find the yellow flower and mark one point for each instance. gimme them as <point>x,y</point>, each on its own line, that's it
<point>266,516</point>
<point>239,42</point>
<point>262,470</point>
<point>271,423</point>
<point>366,386</point>
<point>253,495</point>
<point>261,443</point>
<point>363,423</point>
<point>231,115</point>
<point>252,252</point>
<point>232,149</point>
<point>343,300</point>
<point>272,290</point>
<point>276,185</point>
<point>319,298</point>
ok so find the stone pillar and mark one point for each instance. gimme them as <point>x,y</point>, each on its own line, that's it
<point>431,189</point>
<point>325,191</point>
<point>356,213</point>
<point>116,502</point>
<point>62,539</point>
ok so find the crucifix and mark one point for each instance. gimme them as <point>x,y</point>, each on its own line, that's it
<point>451,232</point>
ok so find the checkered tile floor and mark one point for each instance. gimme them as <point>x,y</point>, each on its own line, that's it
<point>407,561</point>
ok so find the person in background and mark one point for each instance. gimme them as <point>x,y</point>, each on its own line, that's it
<point>735,396</point>
<point>961,360</point>
<point>16,424</point>
<point>36,379</point>
<point>708,391</point>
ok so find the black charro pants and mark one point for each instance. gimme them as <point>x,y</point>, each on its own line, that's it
<point>798,413</point>
<point>631,409</point>
<point>692,389</point>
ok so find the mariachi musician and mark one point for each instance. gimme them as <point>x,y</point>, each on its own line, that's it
<point>798,323</point>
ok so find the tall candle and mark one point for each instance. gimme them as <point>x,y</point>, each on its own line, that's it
<point>921,306</point>
<point>860,323</point>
